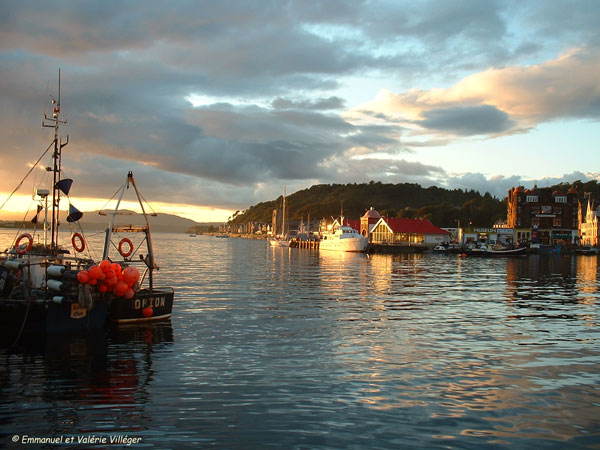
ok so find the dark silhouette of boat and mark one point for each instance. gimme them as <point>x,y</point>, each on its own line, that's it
<point>39,289</point>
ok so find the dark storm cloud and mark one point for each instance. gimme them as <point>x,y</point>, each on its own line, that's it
<point>467,120</point>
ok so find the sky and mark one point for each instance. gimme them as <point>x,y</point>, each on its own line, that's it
<point>215,106</point>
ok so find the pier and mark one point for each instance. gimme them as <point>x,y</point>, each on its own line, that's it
<point>309,244</point>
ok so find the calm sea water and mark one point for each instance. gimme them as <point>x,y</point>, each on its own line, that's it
<point>290,348</point>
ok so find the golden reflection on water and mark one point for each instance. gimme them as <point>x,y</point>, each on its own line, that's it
<point>587,278</point>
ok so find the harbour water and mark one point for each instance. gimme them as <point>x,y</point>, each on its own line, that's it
<point>288,348</point>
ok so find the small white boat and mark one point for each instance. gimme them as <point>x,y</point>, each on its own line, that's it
<point>279,242</point>
<point>343,239</point>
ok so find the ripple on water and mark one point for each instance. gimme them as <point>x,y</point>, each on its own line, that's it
<point>306,350</point>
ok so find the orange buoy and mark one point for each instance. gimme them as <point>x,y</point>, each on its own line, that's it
<point>147,311</point>
<point>131,275</point>
<point>22,251</point>
<point>83,276</point>
<point>129,293</point>
<point>121,288</point>
<point>116,268</point>
<point>95,273</point>
<point>105,265</point>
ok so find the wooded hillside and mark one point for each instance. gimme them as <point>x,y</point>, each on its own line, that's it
<point>441,206</point>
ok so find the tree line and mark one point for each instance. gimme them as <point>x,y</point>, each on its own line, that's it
<point>443,207</point>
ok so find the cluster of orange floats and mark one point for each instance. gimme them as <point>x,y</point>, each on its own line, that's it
<point>110,277</point>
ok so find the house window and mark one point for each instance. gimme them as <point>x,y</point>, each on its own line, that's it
<point>535,210</point>
<point>560,199</point>
<point>531,199</point>
<point>557,210</point>
<point>556,222</point>
<point>535,222</point>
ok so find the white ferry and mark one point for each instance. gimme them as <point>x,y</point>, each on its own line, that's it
<point>344,239</point>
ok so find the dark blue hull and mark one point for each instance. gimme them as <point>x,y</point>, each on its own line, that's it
<point>158,301</point>
<point>42,317</point>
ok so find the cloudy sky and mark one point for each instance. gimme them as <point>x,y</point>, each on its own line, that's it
<point>216,105</point>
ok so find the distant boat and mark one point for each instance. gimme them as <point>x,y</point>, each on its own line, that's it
<point>279,242</point>
<point>485,251</point>
<point>586,250</point>
<point>446,249</point>
<point>343,239</point>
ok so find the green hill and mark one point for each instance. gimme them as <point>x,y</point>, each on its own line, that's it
<point>441,206</point>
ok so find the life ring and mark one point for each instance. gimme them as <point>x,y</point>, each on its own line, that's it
<point>130,251</point>
<point>22,251</point>
<point>81,247</point>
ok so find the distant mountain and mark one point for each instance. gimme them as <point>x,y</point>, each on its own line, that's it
<point>161,222</point>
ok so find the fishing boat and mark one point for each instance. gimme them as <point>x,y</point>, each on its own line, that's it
<point>134,297</point>
<point>490,251</point>
<point>343,239</point>
<point>39,289</point>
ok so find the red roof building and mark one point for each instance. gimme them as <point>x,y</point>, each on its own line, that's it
<point>368,221</point>
<point>407,231</point>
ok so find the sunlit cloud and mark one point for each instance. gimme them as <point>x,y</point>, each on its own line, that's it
<point>498,101</point>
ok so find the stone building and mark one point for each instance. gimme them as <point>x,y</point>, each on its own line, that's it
<point>368,221</point>
<point>552,216</point>
<point>589,222</point>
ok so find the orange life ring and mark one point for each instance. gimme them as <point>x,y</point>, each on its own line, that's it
<point>22,251</point>
<point>81,247</point>
<point>130,251</point>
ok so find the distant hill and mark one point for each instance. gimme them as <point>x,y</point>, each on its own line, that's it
<point>441,206</point>
<point>161,222</point>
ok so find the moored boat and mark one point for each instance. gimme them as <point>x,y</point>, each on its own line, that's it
<point>490,251</point>
<point>140,300</point>
<point>279,242</point>
<point>39,289</point>
<point>344,239</point>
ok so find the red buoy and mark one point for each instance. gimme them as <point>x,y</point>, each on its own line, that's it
<point>147,311</point>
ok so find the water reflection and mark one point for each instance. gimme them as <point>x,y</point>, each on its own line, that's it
<point>71,385</point>
<point>544,282</point>
<point>297,349</point>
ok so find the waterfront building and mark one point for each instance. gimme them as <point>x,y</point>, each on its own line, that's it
<point>550,216</point>
<point>504,234</point>
<point>368,221</point>
<point>589,222</point>
<point>407,231</point>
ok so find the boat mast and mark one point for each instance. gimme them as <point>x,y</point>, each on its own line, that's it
<point>54,122</point>
<point>283,213</point>
<point>150,257</point>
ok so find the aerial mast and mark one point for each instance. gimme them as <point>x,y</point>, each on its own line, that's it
<point>54,122</point>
